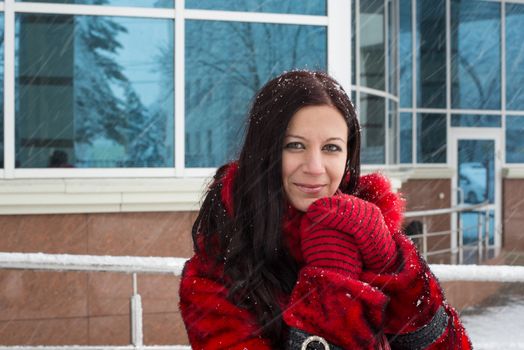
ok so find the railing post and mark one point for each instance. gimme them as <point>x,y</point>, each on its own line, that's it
<point>460,239</point>
<point>480,235</point>
<point>137,336</point>
<point>486,229</point>
<point>425,238</point>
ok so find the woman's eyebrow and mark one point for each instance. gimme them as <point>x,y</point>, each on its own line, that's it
<point>336,138</point>
<point>298,137</point>
<point>329,139</point>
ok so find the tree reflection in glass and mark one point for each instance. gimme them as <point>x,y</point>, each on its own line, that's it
<point>98,91</point>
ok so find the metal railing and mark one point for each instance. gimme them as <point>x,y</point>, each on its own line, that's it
<point>481,244</point>
<point>96,263</point>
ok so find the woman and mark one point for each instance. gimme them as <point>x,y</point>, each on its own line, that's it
<point>294,250</point>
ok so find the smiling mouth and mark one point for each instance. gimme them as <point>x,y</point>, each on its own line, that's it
<point>310,188</point>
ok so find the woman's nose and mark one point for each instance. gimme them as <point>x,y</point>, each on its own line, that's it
<point>314,164</point>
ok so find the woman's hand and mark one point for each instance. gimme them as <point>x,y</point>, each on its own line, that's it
<point>360,220</point>
<point>325,247</point>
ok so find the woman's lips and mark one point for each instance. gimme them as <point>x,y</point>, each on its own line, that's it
<point>310,189</point>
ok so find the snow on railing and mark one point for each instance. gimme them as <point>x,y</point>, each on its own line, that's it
<point>158,265</point>
<point>162,265</point>
<point>92,263</point>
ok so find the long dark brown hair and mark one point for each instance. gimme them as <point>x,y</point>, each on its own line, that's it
<point>257,267</point>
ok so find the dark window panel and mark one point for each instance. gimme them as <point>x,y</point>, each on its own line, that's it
<point>93,91</point>
<point>2,91</point>
<point>226,63</point>
<point>431,138</point>
<point>431,54</point>
<point>514,57</point>
<point>406,138</point>
<point>469,120</point>
<point>475,54</point>
<point>406,54</point>
<point>514,143</point>
<point>372,122</point>
<point>372,44</point>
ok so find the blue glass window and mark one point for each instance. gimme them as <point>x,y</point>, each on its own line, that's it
<point>406,54</point>
<point>514,56</point>
<point>353,44</point>
<point>471,120</point>
<point>372,44</point>
<point>93,91</point>
<point>310,7</point>
<point>514,144</point>
<point>392,48</point>
<point>431,138</point>
<point>372,122</point>
<point>392,131</point>
<point>431,53</point>
<point>406,138</point>
<point>226,63</point>
<point>475,54</point>
<point>133,3</point>
<point>2,92</point>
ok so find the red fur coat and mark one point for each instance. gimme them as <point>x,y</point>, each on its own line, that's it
<point>404,301</point>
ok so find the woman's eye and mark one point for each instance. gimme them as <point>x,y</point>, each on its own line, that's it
<point>332,148</point>
<point>294,145</point>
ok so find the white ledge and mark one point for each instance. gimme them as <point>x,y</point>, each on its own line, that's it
<point>513,172</point>
<point>53,196</point>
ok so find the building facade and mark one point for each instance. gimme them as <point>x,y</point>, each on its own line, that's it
<point>116,112</point>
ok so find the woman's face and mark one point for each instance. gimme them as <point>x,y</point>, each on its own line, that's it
<point>314,154</point>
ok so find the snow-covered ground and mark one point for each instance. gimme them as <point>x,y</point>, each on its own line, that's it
<point>499,324</point>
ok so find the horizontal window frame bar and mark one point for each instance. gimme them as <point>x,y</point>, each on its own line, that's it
<point>375,92</point>
<point>93,10</point>
<point>461,111</point>
<point>42,173</point>
<point>167,13</point>
<point>255,17</point>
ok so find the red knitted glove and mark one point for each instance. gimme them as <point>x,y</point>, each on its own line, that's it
<point>328,248</point>
<point>361,220</point>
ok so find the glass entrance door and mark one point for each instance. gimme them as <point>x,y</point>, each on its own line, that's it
<point>477,183</point>
<point>476,177</point>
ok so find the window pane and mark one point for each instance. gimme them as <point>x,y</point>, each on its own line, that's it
<point>353,45</point>
<point>406,138</point>
<point>133,3</point>
<point>475,54</point>
<point>514,144</point>
<point>2,91</point>
<point>372,117</point>
<point>392,132</point>
<point>431,53</point>
<point>226,63</point>
<point>431,138</point>
<point>406,54</point>
<point>515,56</point>
<point>310,7</point>
<point>464,120</point>
<point>372,44</point>
<point>392,48</point>
<point>93,91</point>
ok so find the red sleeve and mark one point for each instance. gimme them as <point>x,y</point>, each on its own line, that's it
<point>211,320</point>
<point>416,300</point>
<point>344,311</point>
